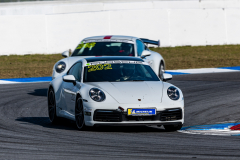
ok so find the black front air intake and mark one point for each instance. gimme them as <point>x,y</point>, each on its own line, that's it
<point>116,116</point>
<point>107,116</point>
<point>171,114</point>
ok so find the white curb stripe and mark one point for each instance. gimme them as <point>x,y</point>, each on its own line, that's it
<point>221,129</point>
<point>7,82</point>
<point>201,70</point>
<point>173,72</point>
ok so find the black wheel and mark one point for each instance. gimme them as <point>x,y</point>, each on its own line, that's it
<point>161,71</point>
<point>52,107</point>
<point>172,128</point>
<point>79,115</point>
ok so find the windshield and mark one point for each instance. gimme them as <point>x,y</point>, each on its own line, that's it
<point>104,49</point>
<point>119,73</point>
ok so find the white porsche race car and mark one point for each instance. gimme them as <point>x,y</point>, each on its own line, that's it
<point>115,91</point>
<point>112,46</point>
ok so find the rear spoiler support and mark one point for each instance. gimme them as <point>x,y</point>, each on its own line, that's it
<point>148,41</point>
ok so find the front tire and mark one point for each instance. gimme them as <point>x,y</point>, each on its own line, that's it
<point>172,128</point>
<point>54,119</point>
<point>161,71</point>
<point>79,115</point>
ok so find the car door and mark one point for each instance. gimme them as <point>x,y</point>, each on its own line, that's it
<point>70,90</point>
<point>140,48</point>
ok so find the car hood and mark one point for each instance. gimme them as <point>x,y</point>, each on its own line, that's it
<point>132,92</point>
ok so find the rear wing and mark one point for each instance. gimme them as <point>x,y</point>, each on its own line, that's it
<point>148,41</point>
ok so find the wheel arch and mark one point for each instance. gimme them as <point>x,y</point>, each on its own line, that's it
<point>163,62</point>
<point>77,96</point>
<point>157,57</point>
<point>50,87</point>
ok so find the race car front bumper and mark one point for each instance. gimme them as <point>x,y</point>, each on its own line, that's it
<point>137,124</point>
<point>116,118</point>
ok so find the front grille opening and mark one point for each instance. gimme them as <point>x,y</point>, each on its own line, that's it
<point>171,115</point>
<point>107,116</point>
<point>115,116</point>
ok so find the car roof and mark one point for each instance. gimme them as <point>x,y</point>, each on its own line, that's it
<point>112,58</point>
<point>111,37</point>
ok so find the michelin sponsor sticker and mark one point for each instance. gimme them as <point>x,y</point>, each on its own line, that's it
<point>141,112</point>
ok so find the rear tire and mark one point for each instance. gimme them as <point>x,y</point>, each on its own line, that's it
<point>79,115</point>
<point>172,128</point>
<point>161,71</point>
<point>54,119</point>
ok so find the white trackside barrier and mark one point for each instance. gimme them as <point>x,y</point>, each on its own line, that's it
<point>53,27</point>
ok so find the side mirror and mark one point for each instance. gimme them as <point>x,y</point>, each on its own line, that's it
<point>166,77</point>
<point>69,78</point>
<point>145,53</point>
<point>65,54</point>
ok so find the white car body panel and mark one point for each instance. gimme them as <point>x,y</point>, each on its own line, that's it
<point>153,60</point>
<point>129,92</point>
<point>153,94</point>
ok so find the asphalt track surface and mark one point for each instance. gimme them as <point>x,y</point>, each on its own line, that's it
<point>26,133</point>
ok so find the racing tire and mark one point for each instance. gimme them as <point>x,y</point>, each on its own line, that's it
<point>161,71</point>
<point>79,115</point>
<point>172,128</point>
<point>54,119</point>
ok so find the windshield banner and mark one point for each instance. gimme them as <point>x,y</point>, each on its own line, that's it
<point>116,62</point>
<point>108,40</point>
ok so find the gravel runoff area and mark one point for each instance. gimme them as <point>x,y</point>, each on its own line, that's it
<point>26,132</point>
<point>176,58</point>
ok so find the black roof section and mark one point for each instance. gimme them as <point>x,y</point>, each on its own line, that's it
<point>112,58</point>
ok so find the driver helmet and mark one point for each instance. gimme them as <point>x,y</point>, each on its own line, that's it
<point>126,49</point>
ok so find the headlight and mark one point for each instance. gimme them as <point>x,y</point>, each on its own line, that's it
<point>96,94</point>
<point>173,93</point>
<point>60,67</point>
